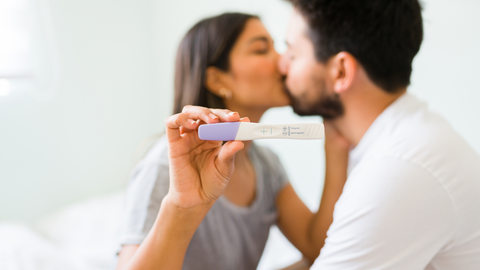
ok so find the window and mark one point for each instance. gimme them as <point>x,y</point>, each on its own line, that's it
<point>29,60</point>
<point>15,45</point>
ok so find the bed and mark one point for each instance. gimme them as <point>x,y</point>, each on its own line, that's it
<point>84,236</point>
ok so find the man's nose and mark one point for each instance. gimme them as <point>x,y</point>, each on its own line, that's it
<point>283,64</point>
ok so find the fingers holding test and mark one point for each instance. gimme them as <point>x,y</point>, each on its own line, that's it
<point>226,115</point>
<point>245,119</point>
<point>226,156</point>
<point>192,116</point>
<point>178,124</point>
<point>210,116</point>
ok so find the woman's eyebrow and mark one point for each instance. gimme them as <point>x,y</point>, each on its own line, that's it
<point>259,38</point>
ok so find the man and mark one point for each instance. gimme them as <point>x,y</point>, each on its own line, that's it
<point>412,194</point>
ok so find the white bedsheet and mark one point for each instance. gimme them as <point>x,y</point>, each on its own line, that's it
<point>84,236</point>
<point>80,236</point>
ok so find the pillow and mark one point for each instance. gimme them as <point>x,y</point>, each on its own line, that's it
<point>87,230</point>
<point>21,248</point>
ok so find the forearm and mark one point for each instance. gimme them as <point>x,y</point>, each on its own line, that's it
<point>166,244</point>
<point>199,172</point>
<point>335,177</point>
<point>304,229</point>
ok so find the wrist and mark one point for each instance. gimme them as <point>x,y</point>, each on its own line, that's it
<point>186,208</point>
<point>175,219</point>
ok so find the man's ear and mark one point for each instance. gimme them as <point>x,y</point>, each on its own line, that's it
<point>213,80</point>
<point>344,68</point>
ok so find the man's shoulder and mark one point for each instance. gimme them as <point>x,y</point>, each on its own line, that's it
<point>422,150</point>
<point>426,140</point>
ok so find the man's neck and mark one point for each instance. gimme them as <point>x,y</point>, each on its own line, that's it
<point>362,106</point>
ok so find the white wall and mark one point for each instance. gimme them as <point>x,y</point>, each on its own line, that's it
<point>80,142</point>
<point>446,70</point>
<point>116,86</point>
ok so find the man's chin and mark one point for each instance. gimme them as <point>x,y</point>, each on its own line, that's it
<point>327,106</point>
<point>296,104</point>
<point>302,112</point>
<point>329,109</point>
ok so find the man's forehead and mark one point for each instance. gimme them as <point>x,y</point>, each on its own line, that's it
<point>297,28</point>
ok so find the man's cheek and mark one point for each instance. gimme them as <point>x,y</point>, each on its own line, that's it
<point>293,81</point>
<point>292,86</point>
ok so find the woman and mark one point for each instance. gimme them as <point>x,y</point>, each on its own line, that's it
<point>227,61</point>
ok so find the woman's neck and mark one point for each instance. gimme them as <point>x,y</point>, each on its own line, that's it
<point>253,114</point>
<point>242,186</point>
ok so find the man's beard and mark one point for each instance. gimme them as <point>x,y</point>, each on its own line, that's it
<point>328,106</point>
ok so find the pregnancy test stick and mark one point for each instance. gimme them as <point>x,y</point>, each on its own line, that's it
<point>245,131</point>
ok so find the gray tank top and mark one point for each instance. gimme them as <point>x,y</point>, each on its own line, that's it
<point>230,236</point>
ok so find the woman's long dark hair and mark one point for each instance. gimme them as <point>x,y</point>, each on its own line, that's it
<point>207,43</point>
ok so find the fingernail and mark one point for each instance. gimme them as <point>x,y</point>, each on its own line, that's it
<point>213,116</point>
<point>191,122</point>
<point>232,113</point>
<point>243,118</point>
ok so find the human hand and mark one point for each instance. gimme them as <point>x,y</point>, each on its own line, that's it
<point>199,170</point>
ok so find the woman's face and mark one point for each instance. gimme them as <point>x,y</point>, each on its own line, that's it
<point>254,78</point>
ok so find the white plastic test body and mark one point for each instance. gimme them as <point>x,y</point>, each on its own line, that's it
<point>245,131</point>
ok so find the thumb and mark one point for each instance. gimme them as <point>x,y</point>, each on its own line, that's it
<point>226,156</point>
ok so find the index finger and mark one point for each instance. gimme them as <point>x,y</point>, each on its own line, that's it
<point>173,124</point>
<point>210,116</point>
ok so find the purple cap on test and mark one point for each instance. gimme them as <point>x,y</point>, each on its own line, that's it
<point>219,132</point>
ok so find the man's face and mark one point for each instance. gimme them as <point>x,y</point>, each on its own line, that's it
<point>307,82</point>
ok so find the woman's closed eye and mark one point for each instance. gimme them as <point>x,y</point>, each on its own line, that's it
<point>260,47</point>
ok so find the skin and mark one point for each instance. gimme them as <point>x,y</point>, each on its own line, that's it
<point>342,74</point>
<point>200,172</point>
<point>256,84</point>
<point>210,166</point>
<point>308,80</point>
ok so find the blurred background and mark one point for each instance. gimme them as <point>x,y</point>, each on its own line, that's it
<point>85,85</point>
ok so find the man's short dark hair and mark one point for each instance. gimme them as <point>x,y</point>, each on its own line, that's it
<point>383,35</point>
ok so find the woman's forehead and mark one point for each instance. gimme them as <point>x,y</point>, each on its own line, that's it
<point>254,30</point>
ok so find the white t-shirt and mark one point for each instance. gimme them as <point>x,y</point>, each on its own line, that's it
<point>412,197</point>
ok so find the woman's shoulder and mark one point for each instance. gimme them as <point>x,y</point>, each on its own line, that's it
<point>266,155</point>
<point>158,153</point>
<point>154,165</point>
